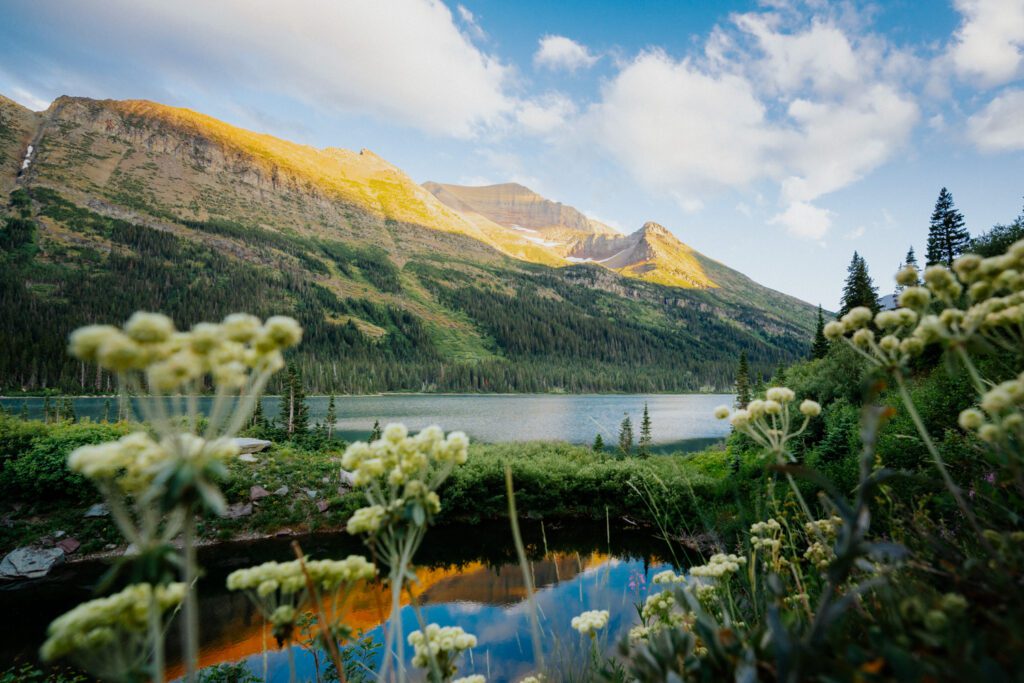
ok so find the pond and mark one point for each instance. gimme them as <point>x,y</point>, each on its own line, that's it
<point>678,420</point>
<point>466,576</point>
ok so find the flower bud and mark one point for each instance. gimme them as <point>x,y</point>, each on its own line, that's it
<point>810,408</point>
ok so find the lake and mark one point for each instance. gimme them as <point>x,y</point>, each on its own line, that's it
<point>466,576</point>
<point>678,420</point>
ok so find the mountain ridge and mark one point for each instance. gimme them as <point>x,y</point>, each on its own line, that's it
<point>389,281</point>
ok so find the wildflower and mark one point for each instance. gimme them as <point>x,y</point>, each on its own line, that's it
<point>366,520</point>
<point>810,408</point>
<point>721,412</point>
<point>240,327</point>
<point>908,276</point>
<point>740,419</point>
<point>863,337</point>
<point>915,298</point>
<point>590,622</point>
<point>149,328</point>
<point>971,419</point>
<point>935,620</point>
<point>834,330</point>
<point>780,394</point>
<point>857,317</point>
<point>719,565</point>
<point>476,678</point>
<point>442,645</point>
<point>85,342</point>
<point>283,331</point>
<point>668,577</point>
<point>954,603</point>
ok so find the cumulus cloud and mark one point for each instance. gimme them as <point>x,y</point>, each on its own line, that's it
<point>989,44</point>
<point>804,220</point>
<point>999,127</point>
<point>808,107</point>
<point>559,52</point>
<point>405,61</point>
<point>545,114</point>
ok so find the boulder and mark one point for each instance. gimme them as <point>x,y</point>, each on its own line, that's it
<point>258,492</point>
<point>69,545</point>
<point>248,457</point>
<point>97,510</point>
<point>251,445</point>
<point>30,562</point>
<point>283,491</point>
<point>236,510</point>
<point>322,505</point>
<point>311,493</point>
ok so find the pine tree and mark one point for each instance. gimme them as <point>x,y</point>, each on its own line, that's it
<point>626,435</point>
<point>257,413</point>
<point>106,410</point>
<point>47,408</point>
<point>23,413</point>
<point>819,349</point>
<point>645,434</point>
<point>376,432</point>
<point>779,378</point>
<point>598,446</point>
<point>859,289</point>
<point>68,410</point>
<point>947,235</point>
<point>743,382</point>
<point>332,417</point>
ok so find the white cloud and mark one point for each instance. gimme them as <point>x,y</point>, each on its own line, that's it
<point>545,114</point>
<point>804,220</point>
<point>856,233</point>
<point>470,22</point>
<point>559,52</point>
<point>810,108</point>
<point>1000,125</point>
<point>989,44</point>
<point>405,61</point>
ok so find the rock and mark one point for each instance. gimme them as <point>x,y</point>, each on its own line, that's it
<point>60,534</point>
<point>31,562</point>
<point>284,532</point>
<point>251,445</point>
<point>283,491</point>
<point>97,510</point>
<point>248,457</point>
<point>347,478</point>
<point>236,510</point>
<point>311,493</point>
<point>131,550</point>
<point>322,505</point>
<point>69,545</point>
<point>110,546</point>
<point>258,492</point>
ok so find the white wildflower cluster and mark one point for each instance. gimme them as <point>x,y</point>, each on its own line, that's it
<point>661,611</point>
<point>1000,420</point>
<point>899,341</point>
<point>400,474</point>
<point>539,678</point>
<point>475,678</point>
<point>821,535</point>
<point>590,622</point>
<point>668,577</point>
<point>109,624</point>
<point>766,541</point>
<point>720,565</point>
<point>134,460</point>
<point>280,590</point>
<point>228,352</point>
<point>771,422</point>
<point>440,646</point>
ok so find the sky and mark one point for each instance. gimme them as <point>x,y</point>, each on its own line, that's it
<point>776,136</point>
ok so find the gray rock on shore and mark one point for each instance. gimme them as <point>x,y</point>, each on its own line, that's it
<point>30,562</point>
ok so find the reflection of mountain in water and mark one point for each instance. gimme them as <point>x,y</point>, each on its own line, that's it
<point>504,585</point>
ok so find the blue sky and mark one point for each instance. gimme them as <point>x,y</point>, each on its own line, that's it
<point>776,136</point>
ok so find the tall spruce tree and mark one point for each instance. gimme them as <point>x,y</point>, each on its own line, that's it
<point>332,417</point>
<point>626,435</point>
<point>743,382</point>
<point>859,289</point>
<point>298,411</point>
<point>598,443</point>
<point>23,413</point>
<point>947,235</point>
<point>376,432</point>
<point>819,349</point>
<point>644,445</point>
<point>258,420</point>
<point>106,410</point>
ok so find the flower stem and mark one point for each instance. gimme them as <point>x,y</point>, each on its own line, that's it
<point>191,611</point>
<point>156,638</point>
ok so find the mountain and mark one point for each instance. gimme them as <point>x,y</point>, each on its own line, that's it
<point>115,206</point>
<point>651,253</point>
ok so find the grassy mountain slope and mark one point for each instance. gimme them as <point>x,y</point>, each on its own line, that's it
<point>128,205</point>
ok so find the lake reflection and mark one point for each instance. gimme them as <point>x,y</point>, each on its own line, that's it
<point>496,418</point>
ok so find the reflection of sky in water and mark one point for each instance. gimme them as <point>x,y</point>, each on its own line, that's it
<point>504,651</point>
<point>496,418</point>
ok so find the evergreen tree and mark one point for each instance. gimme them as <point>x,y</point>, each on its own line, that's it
<point>743,382</point>
<point>598,446</point>
<point>626,435</point>
<point>376,433</point>
<point>859,289</point>
<point>47,408</point>
<point>106,410</point>
<point>779,378</point>
<point>645,434</point>
<point>947,235</point>
<point>68,410</point>
<point>23,413</point>
<point>819,349</point>
<point>332,417</point>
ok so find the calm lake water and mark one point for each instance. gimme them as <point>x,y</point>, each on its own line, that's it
<point>677,419</point>
<point>467,579</point>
